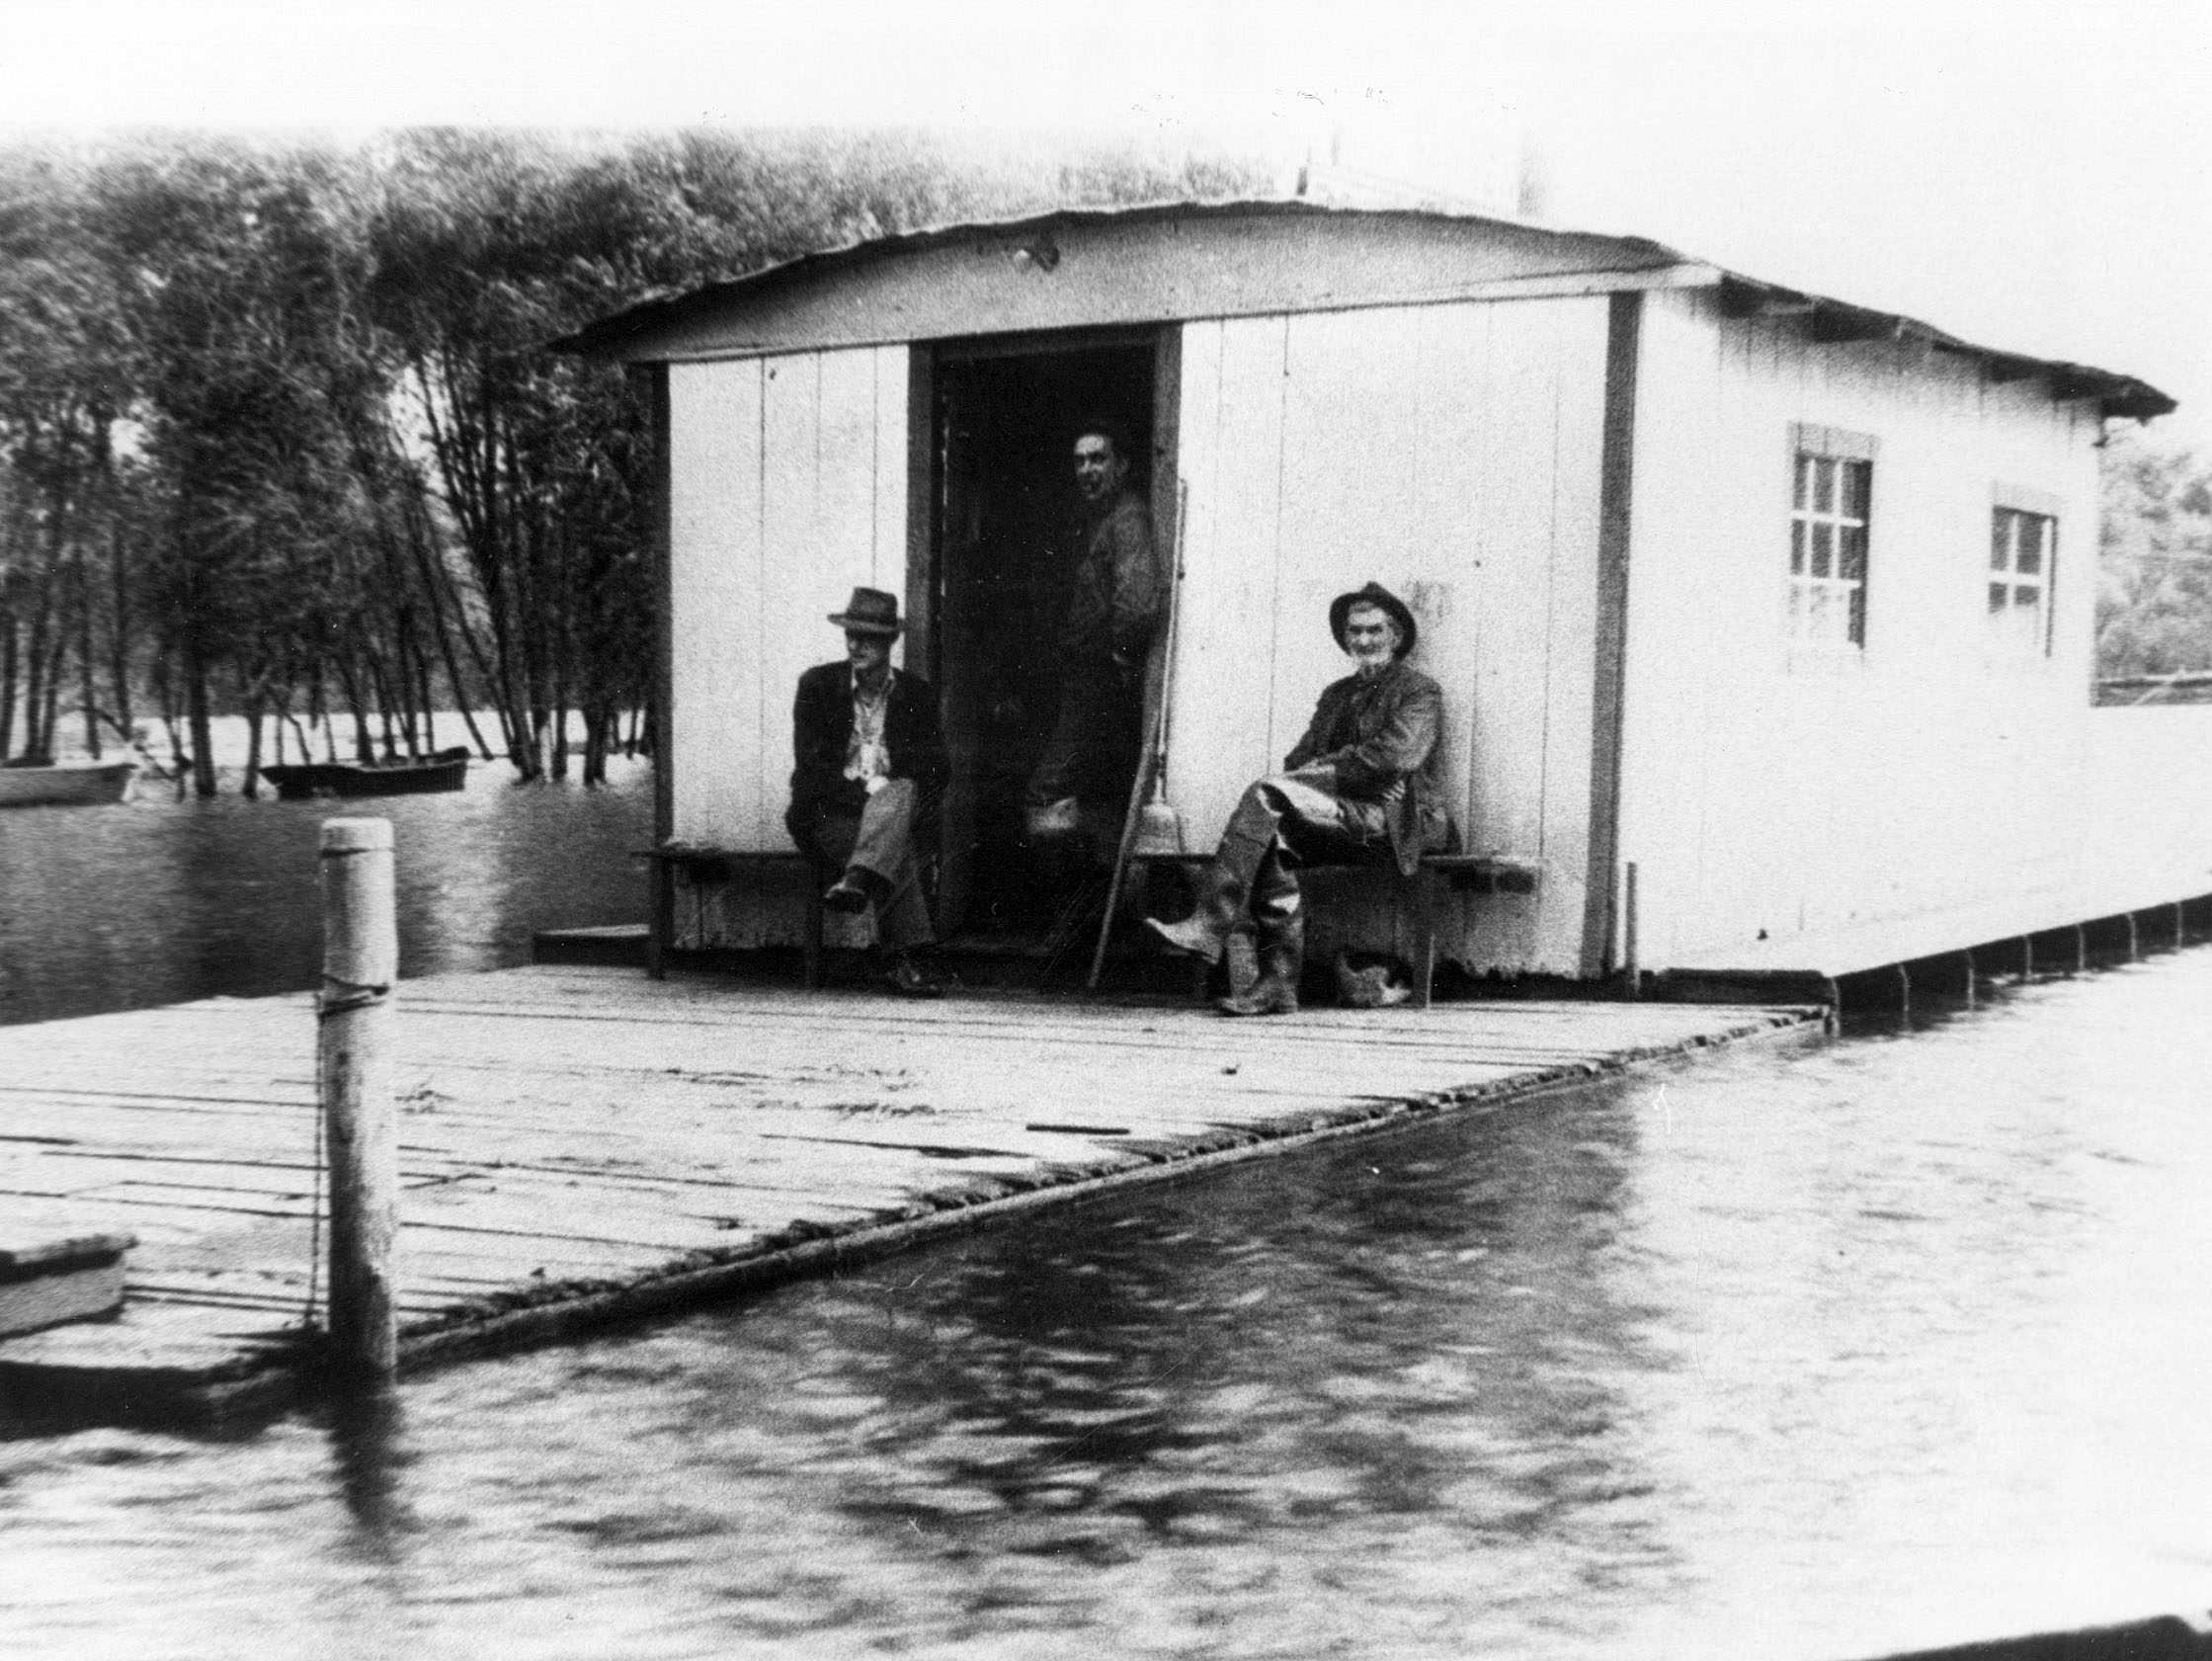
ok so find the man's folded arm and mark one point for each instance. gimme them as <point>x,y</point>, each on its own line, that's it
<point>1403,746</point>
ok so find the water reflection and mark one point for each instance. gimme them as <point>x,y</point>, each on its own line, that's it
<point>368,1455</point>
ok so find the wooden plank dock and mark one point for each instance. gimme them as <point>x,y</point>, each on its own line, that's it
<point>581,1145</point>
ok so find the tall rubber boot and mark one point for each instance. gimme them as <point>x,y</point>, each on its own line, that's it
<point>1281,921</point>
<point>1206,931</point>
<point>1222,893</point>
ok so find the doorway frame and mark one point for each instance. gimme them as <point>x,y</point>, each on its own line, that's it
<point>926,503</point>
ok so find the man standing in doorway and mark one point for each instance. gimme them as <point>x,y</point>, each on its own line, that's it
<point>869,768</point>
<point>1114,608</point>
<point>1360,787</point>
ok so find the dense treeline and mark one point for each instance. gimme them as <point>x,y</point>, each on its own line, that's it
<point>277,438</point>
<point>2154,614</point>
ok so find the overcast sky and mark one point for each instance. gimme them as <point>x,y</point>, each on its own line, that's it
<point>2030,175</point>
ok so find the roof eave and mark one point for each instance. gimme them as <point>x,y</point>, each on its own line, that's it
<point>606,337</point>
<point>1827,320</point>
<point>1834,321</point>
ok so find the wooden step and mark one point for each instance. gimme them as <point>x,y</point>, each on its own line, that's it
<point>49,1278</point>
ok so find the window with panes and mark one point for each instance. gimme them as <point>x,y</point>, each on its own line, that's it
<point>2023,559</point>
<point>1831,501</point>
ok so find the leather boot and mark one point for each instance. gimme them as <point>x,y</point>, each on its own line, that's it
<point>1282,940</point>
<point>1272,994</point>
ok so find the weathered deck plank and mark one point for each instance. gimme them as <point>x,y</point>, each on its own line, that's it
<point>581,1143</point>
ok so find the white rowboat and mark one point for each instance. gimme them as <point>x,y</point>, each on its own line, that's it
<point>69,783</point>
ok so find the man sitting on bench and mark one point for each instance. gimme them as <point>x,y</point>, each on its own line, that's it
<point>1362,787</point>
<point>871,766</point>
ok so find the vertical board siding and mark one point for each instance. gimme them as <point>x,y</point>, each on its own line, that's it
<point>1231,443</point>
<point>1573,345</point>
<point>1451,453</point>
<point>794,632</point>
<point>1773,792</point>
<point>789,490</point>
<point>887,505</point>
<point>714,597</point>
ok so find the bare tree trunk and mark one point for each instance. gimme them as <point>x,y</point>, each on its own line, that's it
<point>364,747</point>
<point>438,591</point>
<point>56,675</point>
<point>560,718</point>
<point>165,689</point>
<point>118,658</point>
<point>250,786</point>
<point>425,692</point>
<point>33,687</point>
<point>596,725</point>
<point>86,660</point>
<point>7,680</point>
<point>202,734</point>
<point>318,715</point>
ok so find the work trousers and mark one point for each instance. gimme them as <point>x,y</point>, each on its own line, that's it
<point>880,843</point>
<point>1097,738</point>
<point>1281,822</point>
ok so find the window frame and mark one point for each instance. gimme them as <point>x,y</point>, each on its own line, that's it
<point>2012,506</point>
<point>1827,534</point>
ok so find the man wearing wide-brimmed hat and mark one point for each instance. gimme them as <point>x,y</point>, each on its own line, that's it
<point>1360,787</point>
<point>870,766</point>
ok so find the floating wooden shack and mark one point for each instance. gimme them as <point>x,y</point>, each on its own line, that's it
<point>1787,602</point>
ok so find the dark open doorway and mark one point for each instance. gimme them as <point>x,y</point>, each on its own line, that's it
<point>1006,418</point>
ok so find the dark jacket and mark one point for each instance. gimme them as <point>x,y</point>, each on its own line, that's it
<point>1380,739</point>
<point>822,729</point>
<point>1121,592</point>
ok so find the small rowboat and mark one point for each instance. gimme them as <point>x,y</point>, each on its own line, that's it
<point>68,784</point>
<point>448,769</point>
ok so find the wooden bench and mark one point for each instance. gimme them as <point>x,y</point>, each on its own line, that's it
<point>1487,874</point>
<point>701,862</point>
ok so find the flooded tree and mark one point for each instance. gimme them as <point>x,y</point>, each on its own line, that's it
<point>66,365</point>
<point>279,438</point>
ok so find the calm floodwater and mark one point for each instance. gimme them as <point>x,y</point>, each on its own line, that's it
<point>155,900</point>
<point>1824,1353</point>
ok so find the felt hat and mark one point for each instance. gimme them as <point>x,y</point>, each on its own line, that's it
<point>1374,594</point>
<point>870,612</point>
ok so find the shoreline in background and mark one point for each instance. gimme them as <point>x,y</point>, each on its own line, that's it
<point>228,735</point>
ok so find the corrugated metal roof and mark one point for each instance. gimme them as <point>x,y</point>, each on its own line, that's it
<point>1825,317</point>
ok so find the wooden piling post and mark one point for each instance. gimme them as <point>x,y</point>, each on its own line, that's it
<point>354,1019</point>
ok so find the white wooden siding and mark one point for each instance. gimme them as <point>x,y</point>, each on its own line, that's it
<point>1773,794</point>
<point>788,491</point>
<point>716,579</point>
<point>1453,453</point>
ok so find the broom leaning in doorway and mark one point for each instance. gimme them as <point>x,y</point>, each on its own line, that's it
<point>1151,825</point>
